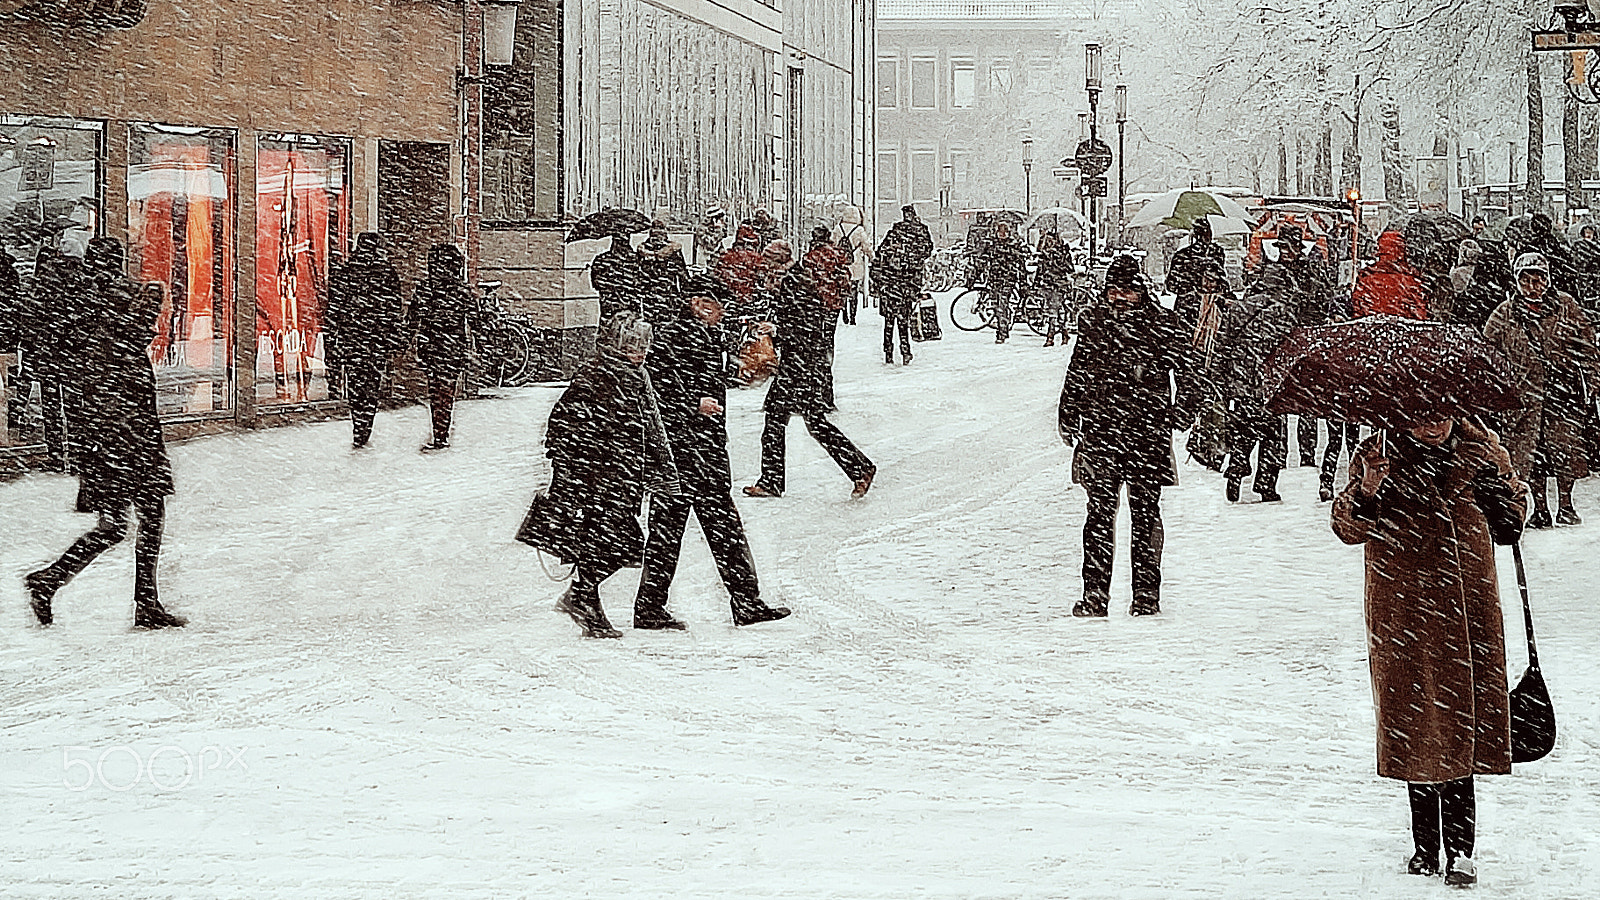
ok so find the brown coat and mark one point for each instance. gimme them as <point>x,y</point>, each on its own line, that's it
<point>1435,643</point>
<point>1548,411</point>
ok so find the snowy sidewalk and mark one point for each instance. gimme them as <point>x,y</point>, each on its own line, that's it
<point>375,698</point>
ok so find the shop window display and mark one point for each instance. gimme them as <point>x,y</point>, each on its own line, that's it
<point>302,230</point>
<point>50,203</point>
<point>180,240</point>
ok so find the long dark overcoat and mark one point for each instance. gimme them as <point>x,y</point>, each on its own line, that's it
<point>688,361</point>
<point>119,450</point>
<point>442,310</point>
<point>1435,642</point>
<point>363,316</point>
<point>801,341</point>
<point>1118,395</point>
<point>602,458</point>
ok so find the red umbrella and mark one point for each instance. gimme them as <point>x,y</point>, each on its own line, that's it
<point>1388,372</point>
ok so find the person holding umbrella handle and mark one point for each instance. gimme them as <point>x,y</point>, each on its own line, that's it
<point>1429,502</point>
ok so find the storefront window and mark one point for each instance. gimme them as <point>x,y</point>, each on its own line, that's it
<point>302,228</point>
<point>180,237</point>
<point>50,202</point>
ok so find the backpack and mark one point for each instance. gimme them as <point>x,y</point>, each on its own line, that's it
<point>844,244</point>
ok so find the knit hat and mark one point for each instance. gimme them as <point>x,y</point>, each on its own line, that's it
<point>624,333</point>
<point>1531,262</point>
<point>1124,274</point>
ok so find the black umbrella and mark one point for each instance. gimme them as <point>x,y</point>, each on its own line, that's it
<point>608,222</point>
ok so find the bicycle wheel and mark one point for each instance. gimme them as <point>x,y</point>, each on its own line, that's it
<point>1078,300</point>
<point>1033,313</point>
<point>971,310</point>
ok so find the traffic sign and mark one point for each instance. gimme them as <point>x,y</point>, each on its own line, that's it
<point>1561,41</point>
<point>1092,187</point>
<point>1093,157</point>
<point>38,168</point>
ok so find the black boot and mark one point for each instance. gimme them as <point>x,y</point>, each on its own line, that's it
<point>152,615</point>
<point>1234,481</point>
<point>40,592</point>
<point>590,616</point>
<point>1425,836</point>
<point>754,612</point>
<point>655,618</point>
<point>1089,609</point>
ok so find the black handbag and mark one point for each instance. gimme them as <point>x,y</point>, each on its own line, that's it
<point>1533,719</point>
<point>551,526</point>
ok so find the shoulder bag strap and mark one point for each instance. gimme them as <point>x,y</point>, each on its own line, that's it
<point>1527,611</point>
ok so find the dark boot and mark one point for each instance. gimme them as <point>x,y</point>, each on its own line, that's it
<point>1089,609</point>
<point>589,616</point>
<point>41,590</point>
<point>1232,489</point>
<point>1425,835</point>
<point>1540,519</point>
<point>655,618</point>
<point>1145,606</point>
<point>754,612</point>
<point>151,615</point>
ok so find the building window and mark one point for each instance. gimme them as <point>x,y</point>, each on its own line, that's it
<point>1000,78</point>
<point>1039,76</point>
<point>888,176</point>
<point>963,83</point>
<point>888,82</point>
<point>302,224</point>
<point>924,176</point>
<point>960,174</point>
<point>924,82</point>
<point>180,239</point>
<point>50,195</point>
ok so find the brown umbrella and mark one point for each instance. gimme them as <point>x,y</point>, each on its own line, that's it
<point>1388,372</point>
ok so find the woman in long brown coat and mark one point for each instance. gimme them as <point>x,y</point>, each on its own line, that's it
<point>1430,512</point>
<point>1549,342</point>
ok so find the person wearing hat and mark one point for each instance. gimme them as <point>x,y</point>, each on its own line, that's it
<point>1003,266</point>
<point>364,327</point>
<point>1310,299</point>
<point>1550,345</point>
<point>1118,410</point>
<point>688,364</point>
<point>607,447</point>
<point>1252,327</point>
<point>897,279</point>
<point>1183,275</point>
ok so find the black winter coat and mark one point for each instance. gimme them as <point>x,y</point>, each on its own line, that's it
<point>803,368</point>
<point>441,312</point>
<point>1183,276</point>
<point>618,279</point>
<point>363,317</point>
<point>900,258</point>
<point>603,458</point>
<point>56,316</point>
<point>1118,395</point>
<point>1003,264</point>
<point>662,279</point>
<point>688,361</point>
<point>10,303</point>
<point>1252,328</point>
<point>118,446</point>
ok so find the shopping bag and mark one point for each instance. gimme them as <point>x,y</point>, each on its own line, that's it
<point>758,359</point>
<point>925,320</point>
<point>551,526</point>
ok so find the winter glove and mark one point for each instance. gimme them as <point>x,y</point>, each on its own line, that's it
<point>1494,496</point>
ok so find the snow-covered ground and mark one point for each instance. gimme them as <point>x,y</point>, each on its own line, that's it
<point>375,698</point>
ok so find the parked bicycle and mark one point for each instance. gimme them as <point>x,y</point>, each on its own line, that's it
<point>500,340</point>
<point>974,309</point>
<point>944,269</point>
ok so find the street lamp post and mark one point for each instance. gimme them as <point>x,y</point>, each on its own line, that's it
<point>1092,84</point>
<point>1122,172</point>
<point>1027,175</point>
<point>946,188</point>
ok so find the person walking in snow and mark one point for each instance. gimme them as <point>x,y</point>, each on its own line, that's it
<point>1550,345</point>
<point>710,236</point>
<point>441,314</point>
<point>827,266</point>
<point>119,451</point>
<point>798,388</point>
<point>1391,286</point>
<point>1054,282</point>
<point>851,237</point>
<point>617,278</point>
<point>899,260</point>
<point>1003,267</point>
<point>607,447</point>
<point>1183,274</point>
<point>1117,407</point>
<point>1252,328</point>
<point>1429,503</point>
<point>364,324</point>
<point>741,270</point>
<point>688,363</point>
<point>662,272</point>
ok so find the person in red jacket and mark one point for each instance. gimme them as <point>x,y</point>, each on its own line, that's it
<point>1390,286</point>
<point>741,269</point>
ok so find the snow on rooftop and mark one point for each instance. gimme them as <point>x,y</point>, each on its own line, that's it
<point>991,9</point>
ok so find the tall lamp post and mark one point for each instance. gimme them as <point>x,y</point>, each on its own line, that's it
<point>1122,172</point>
<point>1092,84</point>
<point>946,188</point>
<point>1027,175</point>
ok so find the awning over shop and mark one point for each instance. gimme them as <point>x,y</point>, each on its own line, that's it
<point>77,13</point>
